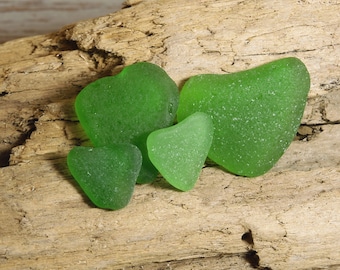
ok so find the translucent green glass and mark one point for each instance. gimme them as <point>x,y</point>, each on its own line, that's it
<point>255,112</point>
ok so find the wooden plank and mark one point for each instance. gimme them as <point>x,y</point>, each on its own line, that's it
<point>48,223</point>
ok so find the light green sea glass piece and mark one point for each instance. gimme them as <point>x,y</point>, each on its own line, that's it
<point>179,152</point>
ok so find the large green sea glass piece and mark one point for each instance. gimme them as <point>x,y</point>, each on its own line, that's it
<point>255,112</point>
<point>127,107</point>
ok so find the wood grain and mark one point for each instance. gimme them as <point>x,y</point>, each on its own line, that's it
<point>292,211</point>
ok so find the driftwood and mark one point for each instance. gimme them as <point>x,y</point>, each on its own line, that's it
<point>292,211</point>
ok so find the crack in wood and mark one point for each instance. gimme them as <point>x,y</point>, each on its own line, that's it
<point>4,93</point>
<point>251,255</point>
<point>182,262</point>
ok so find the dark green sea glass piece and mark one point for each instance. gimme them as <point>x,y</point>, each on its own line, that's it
<point>106,174</point>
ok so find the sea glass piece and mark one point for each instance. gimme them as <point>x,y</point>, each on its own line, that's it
<point>255,112</point>
<point>106,174</point>
<point>179,151</point>
<point>127,107</point>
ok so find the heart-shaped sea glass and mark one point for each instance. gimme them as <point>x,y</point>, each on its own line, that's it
<point>106,174</point>
<point>125,108</point>
<point>179,151</point>
<point>255,112</point>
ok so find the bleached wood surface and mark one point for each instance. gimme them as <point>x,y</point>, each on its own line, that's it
<point>292,211</point>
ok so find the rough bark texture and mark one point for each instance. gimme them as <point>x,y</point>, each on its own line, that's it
<point>292,211</point>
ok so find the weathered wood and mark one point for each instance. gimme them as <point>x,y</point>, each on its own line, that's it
<point>292,211</point>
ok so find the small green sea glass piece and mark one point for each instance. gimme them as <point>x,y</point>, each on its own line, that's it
<point>255,112</point>
<point>179,151</point>
<point>127,107</point>
<point>106,174</point>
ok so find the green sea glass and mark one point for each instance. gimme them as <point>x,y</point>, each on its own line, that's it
<point>127,107</point>
<point>106,174</point>
<point>255,112</point>
<point>179,152</point>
